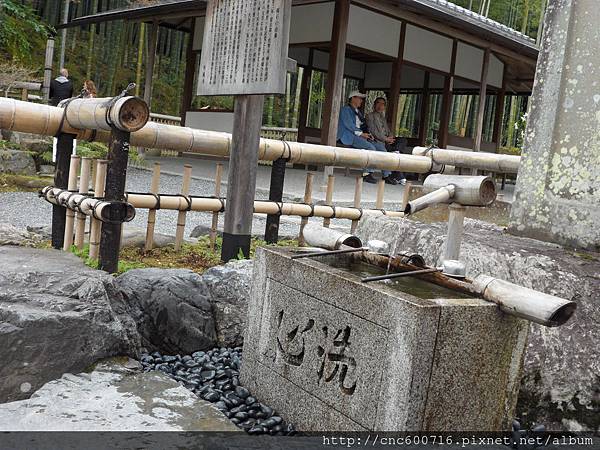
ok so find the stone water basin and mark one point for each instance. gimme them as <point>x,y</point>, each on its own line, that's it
<point>332,353</point>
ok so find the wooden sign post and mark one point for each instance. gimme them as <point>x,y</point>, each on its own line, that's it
<point>244,53</point>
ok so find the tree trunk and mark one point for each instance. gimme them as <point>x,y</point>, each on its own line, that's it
<point>140,58</point>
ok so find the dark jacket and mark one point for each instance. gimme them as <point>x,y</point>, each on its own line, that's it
<point>61,88</point>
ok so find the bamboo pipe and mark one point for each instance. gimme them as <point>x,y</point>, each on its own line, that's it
<point>70,216</point>
<point>154,187</point>
<point>329,197</point>
<point>380,193</point>
<point>202,204</point>
<point>441,195</point>
<point>84,188</point>
<point>357,198</point>
<point>406,195</point>
<point>126,113</point>
<point>89,206</point>
<point>215,217</point>
<point>519,301</point>
<point>46,120</point>
<point>96,225</point>
<point>329,239</point>
<point>185,190</point>
<point>475,160</point>
<point>307,200</point>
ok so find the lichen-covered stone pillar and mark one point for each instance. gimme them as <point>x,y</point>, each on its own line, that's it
<point>557,196</point>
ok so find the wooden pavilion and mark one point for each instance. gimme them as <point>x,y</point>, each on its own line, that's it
<point>425,48</point>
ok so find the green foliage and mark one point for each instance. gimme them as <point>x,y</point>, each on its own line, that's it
<point>98,150</point>
<point>510,151</point>
<point>22,32</point>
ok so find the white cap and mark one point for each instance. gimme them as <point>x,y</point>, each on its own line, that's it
<point>357,94</point>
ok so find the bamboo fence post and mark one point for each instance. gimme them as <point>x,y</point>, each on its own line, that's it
<point>72,187</point>
<point>380,192</point>
<point>96,225</point>
<point>329,197</point>
<point>154,187</point>
<point>84,188</point>
<point>215,217</point>
<point>357,198</point>
<point>406,195</point>
<point>308,200</point>
<point>185,190</point>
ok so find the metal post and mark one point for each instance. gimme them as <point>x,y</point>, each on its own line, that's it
<point>48,69</point>
<point>456,219</point>
<point>275,195</point>
<point>64,148</point>
<point>110,240</point>
<point>241,185</point>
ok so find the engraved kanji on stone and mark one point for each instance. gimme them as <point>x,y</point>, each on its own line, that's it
<point>336,365</point>
<point>290,340</point>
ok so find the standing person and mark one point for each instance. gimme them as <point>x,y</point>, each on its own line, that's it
<point>89,89</point>
<point>380,130</point>
<point>353,132</point>
<point>61,88</point>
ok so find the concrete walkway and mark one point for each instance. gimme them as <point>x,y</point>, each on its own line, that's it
<point>295,181</point>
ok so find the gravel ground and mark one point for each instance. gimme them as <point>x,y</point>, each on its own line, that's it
<point>23,209</point>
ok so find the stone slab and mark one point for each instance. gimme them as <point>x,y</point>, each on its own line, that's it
<point>115,396</point>
<point>331,353</point>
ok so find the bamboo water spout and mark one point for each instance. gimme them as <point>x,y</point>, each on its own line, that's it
<point>47,120</point>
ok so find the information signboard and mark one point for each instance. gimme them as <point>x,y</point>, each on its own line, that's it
<point>245,47</point>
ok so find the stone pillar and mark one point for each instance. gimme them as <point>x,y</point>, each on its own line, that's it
<point>557,197</point>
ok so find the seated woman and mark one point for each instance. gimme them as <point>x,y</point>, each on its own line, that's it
<point>380,130</point>
<point>353,132</point>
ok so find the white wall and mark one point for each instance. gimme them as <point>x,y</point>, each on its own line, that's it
<point>312,23</point>
<point>427,49</point>
<point>212,121</point>
<point>198,33</point>
<point>373,31</point>
<point>352,68</point>
<point>469,61</point>
<point>495,72</point>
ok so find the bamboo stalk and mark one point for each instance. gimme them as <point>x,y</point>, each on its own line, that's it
<point>357,199</point>
<point>70,217</point>
<point>154,187</point>
<point>201,204</point>
<point>406,195</point>
<point>307,200</point>
<point>185,190</point>
<point>329,197</point>
<point>380,193</point>
<point>84,188</point>
<point>46,120</point>
<point>215,217</point>
<point>96,225</point>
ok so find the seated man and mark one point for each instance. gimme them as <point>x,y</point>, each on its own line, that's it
<point>352,131</point>
<point>380,130</point>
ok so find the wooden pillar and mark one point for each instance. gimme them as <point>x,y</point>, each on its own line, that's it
<point>335,75</point>
<point>481,106</point>
<point>116,174</point>
<point>190,73</point>
<point>499,113</point>
<point>393,103</point>
<point>305,97</point>
<point>48,69</point>
<point>241,185</point>
<point>150,57</point>
<point>447,101</point>
<point>423,124</point>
